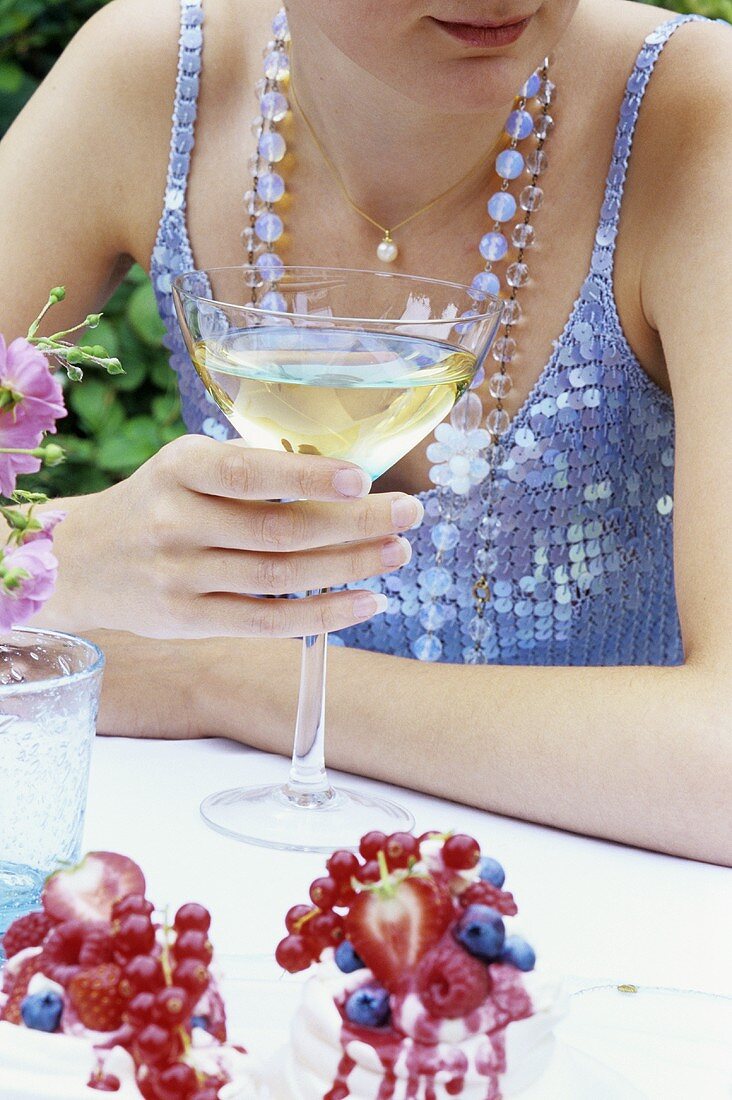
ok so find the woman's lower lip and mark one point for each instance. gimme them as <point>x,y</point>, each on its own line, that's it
<point>484,37</point>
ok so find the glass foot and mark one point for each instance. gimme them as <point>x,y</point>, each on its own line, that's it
<point>273,816</point>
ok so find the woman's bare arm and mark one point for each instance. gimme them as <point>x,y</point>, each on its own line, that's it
<point>642,755</point>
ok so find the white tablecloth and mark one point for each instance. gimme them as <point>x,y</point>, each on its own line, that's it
<point>598,913</point>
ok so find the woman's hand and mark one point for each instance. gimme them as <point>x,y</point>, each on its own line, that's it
<point>182,547</point>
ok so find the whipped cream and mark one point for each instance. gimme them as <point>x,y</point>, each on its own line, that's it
<point>456,1057</point>
<point>35,1065</point>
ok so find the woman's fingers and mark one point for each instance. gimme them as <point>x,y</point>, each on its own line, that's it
<point>296,525</point>
<point>244,473</point>
<point>277,574</point>
<point>221,615</point>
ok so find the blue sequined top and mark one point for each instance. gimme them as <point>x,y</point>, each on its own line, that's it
<point>584,574</point>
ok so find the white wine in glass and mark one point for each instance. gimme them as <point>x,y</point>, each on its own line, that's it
<point>355,365</point>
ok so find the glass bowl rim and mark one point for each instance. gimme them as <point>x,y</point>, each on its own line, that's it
<point>486,309</point>
<point>97,665</point>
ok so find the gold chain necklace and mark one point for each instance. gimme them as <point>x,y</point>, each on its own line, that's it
<point>387,250</point>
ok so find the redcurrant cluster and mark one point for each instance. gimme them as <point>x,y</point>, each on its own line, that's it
<point>312,928</point>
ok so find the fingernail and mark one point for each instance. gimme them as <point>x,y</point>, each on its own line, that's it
<point>367,605</point>
<point>396,552</point>
<point>406,512</point>
<point>351,483</point>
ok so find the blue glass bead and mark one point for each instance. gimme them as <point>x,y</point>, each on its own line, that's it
<point>427,648</point>
<point>270,187</point>
<point>280,28</point>
<point>273,106</point>
<point>531,87</point>
<point>436,580</point>
<point>519,125</point>
<point>509,164</point>
<point>270,266</point>
<point>271,146</point>
<point>493,246</point>
<point>485,283</point>
<point>433,616</point>
<point>502,206</point>
<point>268,227</point>
<point>445,536</point>
<point>276,65</point>
<point>274,300</point>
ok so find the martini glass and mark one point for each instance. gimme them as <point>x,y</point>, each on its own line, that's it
<point>358,365</point>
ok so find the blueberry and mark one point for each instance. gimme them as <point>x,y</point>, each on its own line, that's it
<point>491,871</point>
<point>346,958</point>
<point>200,1021</point>
<point>481,932</point>
<point>42,1011</point>
<point>368,1006</point>
<point>518,953</point>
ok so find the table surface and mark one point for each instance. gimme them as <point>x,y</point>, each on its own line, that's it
<point>597,912</point>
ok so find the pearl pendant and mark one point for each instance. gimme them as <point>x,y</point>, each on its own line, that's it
<point>387,250</point>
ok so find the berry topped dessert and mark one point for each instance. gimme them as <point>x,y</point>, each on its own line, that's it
<point>421,991</point>
<point>101,994</point>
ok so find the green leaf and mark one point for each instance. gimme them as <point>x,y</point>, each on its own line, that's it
<point>142,313</point>
<point>11,78</point>
<point>137,441</point>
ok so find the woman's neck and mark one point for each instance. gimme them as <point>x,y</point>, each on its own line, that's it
<point>392,154</point>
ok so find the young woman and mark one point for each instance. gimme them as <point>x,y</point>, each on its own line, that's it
<point>618,421</point>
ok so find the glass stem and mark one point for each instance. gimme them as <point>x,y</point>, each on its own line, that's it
<point>308,784</point>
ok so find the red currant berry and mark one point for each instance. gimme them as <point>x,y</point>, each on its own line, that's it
<point>342,866</point>
<point>346,894</point>
<point>134,935</point>
<point>192,974</point>
<point>324,892</point>
<point>133,903</point>
<point>172,1005</point>
<point>192,916</point>
<point>369,872</point>
<point>427,836</point>
<point>141,974</point>
<point>193,945</point>
<point>461,852</point>
<point>140,1009</point>
<point>177,1082</point>
<point>400,849</point>
<point>293,954</point>
<point>104,1082</point>
<point>372,844</point>
<point>153,1045</point>
<point>295,915</point>
<point>326,930</point>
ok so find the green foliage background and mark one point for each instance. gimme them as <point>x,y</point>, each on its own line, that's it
<point>116,424</point>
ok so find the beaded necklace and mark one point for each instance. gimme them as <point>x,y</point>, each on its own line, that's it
<point>465,455</point>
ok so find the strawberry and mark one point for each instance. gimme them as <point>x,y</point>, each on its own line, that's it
<point>27,931</point>
<point>451,983</point>
<point>94,994</point>
<point>88,891</point>
<point>393,923</point>
<point>19,989</point>
<point>485,893</point>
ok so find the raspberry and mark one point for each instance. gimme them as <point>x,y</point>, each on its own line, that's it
<point>94,993</point>
<point>17,994</point>
<point>62,949</point>
<point>452,983</point>
<point>28,931</point>
<point>484,893</point>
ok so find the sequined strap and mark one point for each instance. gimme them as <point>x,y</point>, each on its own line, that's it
<point>634,92</point>
<point>186,101</point>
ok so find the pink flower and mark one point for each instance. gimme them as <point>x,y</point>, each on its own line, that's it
<point>26,594</point>
<point>48,520</point>
<point>24,372</point>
